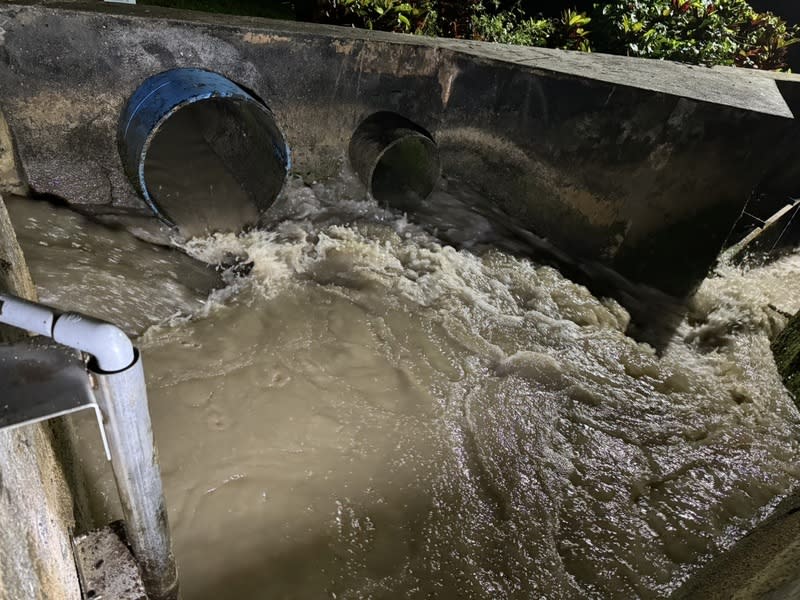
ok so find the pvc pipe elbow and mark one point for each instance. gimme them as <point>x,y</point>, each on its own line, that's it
<point>110,346</point>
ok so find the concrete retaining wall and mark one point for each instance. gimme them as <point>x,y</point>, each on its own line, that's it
<point>35,504</point>
<point>641,166</point>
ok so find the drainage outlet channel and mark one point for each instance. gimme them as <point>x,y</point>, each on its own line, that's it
<point>396,159</point>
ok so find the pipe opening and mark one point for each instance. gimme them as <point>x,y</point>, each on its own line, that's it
<point>205,154</point>
<point>396,159</point>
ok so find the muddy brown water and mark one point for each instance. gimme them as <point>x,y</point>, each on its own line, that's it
<point>373,413</point>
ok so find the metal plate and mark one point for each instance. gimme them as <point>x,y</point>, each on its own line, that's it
<point>39,380</point>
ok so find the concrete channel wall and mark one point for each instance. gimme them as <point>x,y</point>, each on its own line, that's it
<point>36,507</point>
<point>635,165</point>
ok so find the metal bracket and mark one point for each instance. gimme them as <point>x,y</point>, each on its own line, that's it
<point>43,380</point>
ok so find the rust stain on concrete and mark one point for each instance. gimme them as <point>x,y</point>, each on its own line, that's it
<point>401,61</point>
<point>343,46</point>
<point>264,38</point>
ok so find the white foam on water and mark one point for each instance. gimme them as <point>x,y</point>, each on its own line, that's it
<point>373,413</point>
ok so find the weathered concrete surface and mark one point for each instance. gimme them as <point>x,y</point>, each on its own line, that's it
<point>14,275</point>
<point>107,567</point>
<point>35,505</point>
<point>11,180</point>
<point>642,166</point>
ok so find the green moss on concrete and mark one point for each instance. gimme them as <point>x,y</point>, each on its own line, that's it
<point>786,349</point>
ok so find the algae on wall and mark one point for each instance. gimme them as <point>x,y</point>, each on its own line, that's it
<point>36,516</point>
<point>786,349</point>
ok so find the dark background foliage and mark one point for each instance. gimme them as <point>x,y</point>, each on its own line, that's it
<point>789,10</point>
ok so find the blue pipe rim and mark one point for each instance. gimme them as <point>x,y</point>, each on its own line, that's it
<point>243,97</point>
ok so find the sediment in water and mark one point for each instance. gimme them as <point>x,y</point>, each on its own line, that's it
<point>374,412</point>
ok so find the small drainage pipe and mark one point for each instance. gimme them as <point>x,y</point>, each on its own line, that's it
<point>205,154</point>
<point>121,396</point>
<point>396,159</point>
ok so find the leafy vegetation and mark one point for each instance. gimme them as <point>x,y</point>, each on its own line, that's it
<point>569,31</point>
<point>390,15</point>
<point>711,32</point>
<point>726,32</point>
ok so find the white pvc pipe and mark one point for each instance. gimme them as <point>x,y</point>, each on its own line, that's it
<point>122,397</point>
<point>26,315</point>
<point>106,342</point>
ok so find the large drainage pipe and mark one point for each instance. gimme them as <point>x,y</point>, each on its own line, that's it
<point>396,159</point>
<point>121,396</point>
<point>205,154</point>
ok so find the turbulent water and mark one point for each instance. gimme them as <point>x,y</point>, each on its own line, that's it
<point>372,413</point>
